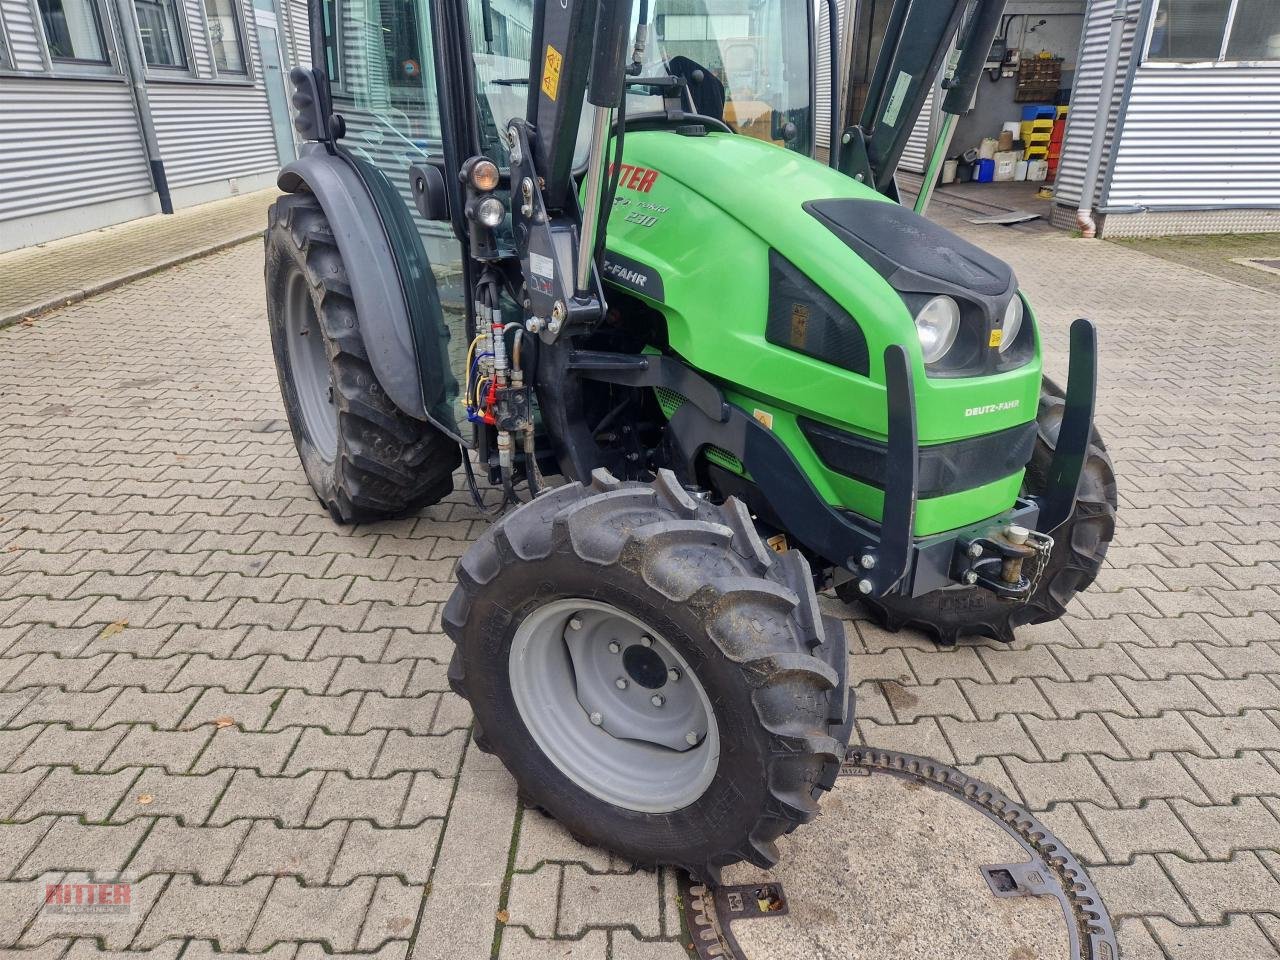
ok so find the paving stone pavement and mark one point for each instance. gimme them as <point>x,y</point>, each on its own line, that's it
<point>207,685</point>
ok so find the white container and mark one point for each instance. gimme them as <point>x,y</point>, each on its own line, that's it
<point>1014,127</point>
<point>949,170</point>
<point>987,149</point>
<point>1006,166</point>
<point>1038,170</point>
<point>1020,171</point>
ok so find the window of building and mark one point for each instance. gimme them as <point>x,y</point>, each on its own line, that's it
<point>1191,30</point>
<point>161,33</point>
<point>73,31</point>
<point>225,36</point>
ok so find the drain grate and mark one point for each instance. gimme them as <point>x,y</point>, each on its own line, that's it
<point>1051,870</point>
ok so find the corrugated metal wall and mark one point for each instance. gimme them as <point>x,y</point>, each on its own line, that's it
<point>822,79</point>
<point>24,45</point>
<point>212,133</point>
<point>1199,136</point>
<point>1084,100</point>
<point>915,157</point>
<point>66,143</point>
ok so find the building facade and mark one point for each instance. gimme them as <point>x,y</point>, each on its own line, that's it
<point>113,109</point>
<point>1192,142</point>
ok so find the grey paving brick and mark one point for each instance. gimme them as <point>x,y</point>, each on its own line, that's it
<point>75,708</point>
<point>1056,781</point>
<point>203,852</point>
<point>47,670</point>
<point>594,900</point>
<point>1240,937</point>
<point>1251,730</point>
<point>533,900</point>
<point>201,670</point>
<point>232,747</point>
<point>15,787</point>
<point>1152,828</point>
<point>429,796</point>
<point>320,750</point>
<point>1140,888</point>
<point>329,915</point>
<point>441,755</point>
<point>187,797</point>
<point>1224,779</point>
<point>379,800</point>
<point>1006,665</point>
<point>70,845</point>
<point>144,747</point>
<point>310,676</point>
<point>85,750</point>
<point>1143,737</point>
<point>1087,734</point>
<point>1246,824</point>
<point>113,932</point>
<point>17,840</point>
<point>1214,889</point>
<point>1004,735</point>
<point>90,796</point>
<point>393,911</point>
<point>407,852</point>
<point>275,851</point>
<point>218,913</point>
<point>294,708</point>
<point>517,944</point>
<point>159,710</point>
<point>126,670</point>
<point>410,714</point>
<point>284,799</point>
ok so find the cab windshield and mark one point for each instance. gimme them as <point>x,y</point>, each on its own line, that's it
<point>745,63</point>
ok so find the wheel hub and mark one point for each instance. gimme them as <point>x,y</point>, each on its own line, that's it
<point>633,682</point>
<point>309,364</point>
<point>613,705</point>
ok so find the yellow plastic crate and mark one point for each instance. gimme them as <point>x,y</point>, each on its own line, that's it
<point>1035,153</point>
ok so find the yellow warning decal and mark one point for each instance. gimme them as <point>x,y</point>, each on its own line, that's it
<point>764,417</point>
<point>777,543</point>
<point>551,72</point>
<point>997,337</point>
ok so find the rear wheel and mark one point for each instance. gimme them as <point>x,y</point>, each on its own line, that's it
<point>364,457</point>
<point>1080,545</point>
<point>650,673</point>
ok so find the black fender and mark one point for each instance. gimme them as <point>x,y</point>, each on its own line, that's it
<point>382,296</point>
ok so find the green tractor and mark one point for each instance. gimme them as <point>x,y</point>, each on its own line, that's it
<point>598,241</point>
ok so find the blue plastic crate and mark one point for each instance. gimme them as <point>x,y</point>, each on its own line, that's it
<point>1040,111</point>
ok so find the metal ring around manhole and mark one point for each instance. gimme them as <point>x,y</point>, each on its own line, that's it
<point>1052,869</point>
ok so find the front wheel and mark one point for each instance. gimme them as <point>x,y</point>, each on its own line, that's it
<point>651,674</point>
<point>1080,545</point>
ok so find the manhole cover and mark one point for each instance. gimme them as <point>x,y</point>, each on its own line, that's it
<point>911,858</point>
<point>1269,264</point>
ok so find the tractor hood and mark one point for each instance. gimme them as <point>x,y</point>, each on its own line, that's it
<point>788,278</point>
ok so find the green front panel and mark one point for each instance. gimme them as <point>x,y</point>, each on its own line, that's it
<point>707,224</point>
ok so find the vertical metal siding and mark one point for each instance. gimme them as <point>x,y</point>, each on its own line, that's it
<point>20,28</point>
<point>67,143</point>
<point>1084,101</point>
<point>1199,136</point>
<point>822,71</point>
<point>202,56</point>
<point>915,156</point>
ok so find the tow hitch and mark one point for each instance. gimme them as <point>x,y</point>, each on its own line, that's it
<point>1008,562</point>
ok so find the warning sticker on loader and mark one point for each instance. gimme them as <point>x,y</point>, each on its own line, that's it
<point>897,99</point>
<point>551,72</point>
<point>997,337</point>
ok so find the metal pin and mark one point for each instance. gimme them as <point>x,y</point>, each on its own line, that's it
<point>575,623</point>
<point>615,647</point>
<point>646,641</point>
<point>597,718</point>
<point>691,738</point>
<point>657,699</point>
<point>620,683</point>
<point>673,674</point>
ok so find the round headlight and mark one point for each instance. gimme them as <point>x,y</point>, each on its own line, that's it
<point>1012,323</point>
<point>484,175</point>
<point>490,211</point>
<point>937,324</point>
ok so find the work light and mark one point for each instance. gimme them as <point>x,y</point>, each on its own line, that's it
<point>937,324</point>
<point>484,175</point>
<point>490,211</point>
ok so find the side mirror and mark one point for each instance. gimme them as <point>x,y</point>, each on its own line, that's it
<point>429,194</point>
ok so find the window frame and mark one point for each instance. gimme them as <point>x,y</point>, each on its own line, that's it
<point>187,69</point>
<point>242,37</point>
<point>1221,62</point>
<point>70,66</point>
<point>6,57</point>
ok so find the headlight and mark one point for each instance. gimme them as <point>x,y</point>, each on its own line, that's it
<point>1012,323</point>
<point>490,211</point>
<point>937,324</point>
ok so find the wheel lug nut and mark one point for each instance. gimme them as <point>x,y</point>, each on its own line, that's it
<point>865,586</point>
<point>970,577</point>
<point>575,623</point>
<point>691,738</point>
<point>620,683</point>
<point>615,647</point>
<point>975,549</point>
<point>673,674</point>
<point>646,641</point>
<point>597,718</point>
<point>657,699</point>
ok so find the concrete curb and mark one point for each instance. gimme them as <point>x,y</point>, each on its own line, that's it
<point>69,297</point>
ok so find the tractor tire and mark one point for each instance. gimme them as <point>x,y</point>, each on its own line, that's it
<point>1080,545</point>
<point>364,457</point>
<point>712,622</point>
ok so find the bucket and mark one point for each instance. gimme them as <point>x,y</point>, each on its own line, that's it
<point>964,171</point>
<point>949,168</point>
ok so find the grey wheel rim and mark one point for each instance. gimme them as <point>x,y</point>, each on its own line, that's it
<point>614,706</point>
<point>309,364</point>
